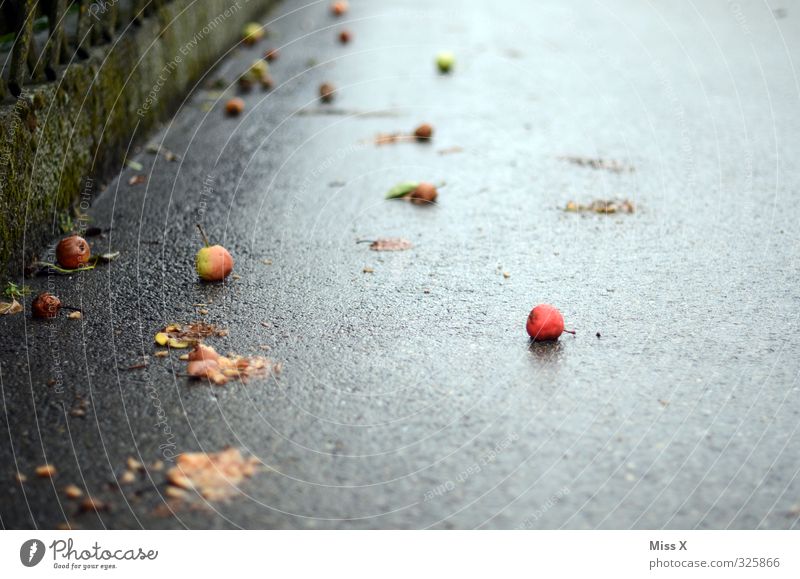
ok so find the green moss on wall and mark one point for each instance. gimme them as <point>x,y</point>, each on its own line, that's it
<point>58,134</point>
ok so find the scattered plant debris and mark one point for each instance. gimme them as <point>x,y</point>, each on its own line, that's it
<point>596,163</point>
<point>214,476</point>
<point>389,244</point>
<point>137,180</point>
<point>205,362</point>
<point>602,206</point>
<point>46,471</point>
<point>271,55</point>
<point>345,36</point>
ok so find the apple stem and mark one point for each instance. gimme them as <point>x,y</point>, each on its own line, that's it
<point>570,332</point>
<point>203,235</point>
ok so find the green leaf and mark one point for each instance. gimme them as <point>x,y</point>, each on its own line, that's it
<point>135,165</point>
<point>402,189</point>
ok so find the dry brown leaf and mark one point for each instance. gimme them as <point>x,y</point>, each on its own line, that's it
<point>390,244</point>
<point>9,308</point>
<point>137,180</point>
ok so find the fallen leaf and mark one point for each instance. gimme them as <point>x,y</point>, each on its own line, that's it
<point>135,165</point>
<point>390,244</point>
<point>137,180</point>
<point>368,270</point>
<point>450,150</point>
<point>402,189</point>
<point>75,315</point>
<point>107,257</point>
<point>10,308</point>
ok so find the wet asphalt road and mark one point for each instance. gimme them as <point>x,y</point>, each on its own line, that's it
<point>410,396</point>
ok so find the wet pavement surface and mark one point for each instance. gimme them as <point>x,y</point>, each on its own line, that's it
<point>410,396</point>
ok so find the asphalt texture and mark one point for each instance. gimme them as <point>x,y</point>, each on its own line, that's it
<point>411,396</point>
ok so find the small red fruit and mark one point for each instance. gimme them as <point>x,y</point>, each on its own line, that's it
<point>326,91</point>
<point>339,8</point>
<point>213,262</point>
<point>424,194</point>
<point>423,132</point>
<point>73,252</point>
<point>345,36</point>
<point>545,323</point>
<point>234,107</point>
<point>45,306</point>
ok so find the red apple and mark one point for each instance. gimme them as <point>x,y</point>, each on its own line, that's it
<point>545,323</point>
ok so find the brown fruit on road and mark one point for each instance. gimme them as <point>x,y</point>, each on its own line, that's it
<point>326,91</point>
<point>45,306</point>
<point>424,194</point>
<point>73,252</point>
<point>234,107</point>
<point>423,132</point>
<point>340,7</point>
<point>345,36</point>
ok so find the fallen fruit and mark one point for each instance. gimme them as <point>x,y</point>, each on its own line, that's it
<point>326,91</point>
<point>340,7</point>
<point>213,262</point>
<point>545,323</point>
<point>423,132</point>
<point>445,61</point>
<point>72,252</point>
<point>424,193</point>
<point>271,54</point>
<point>234,107</point>
<point>345,36</point>
<point>45,305</point>
<point>252,33</point>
